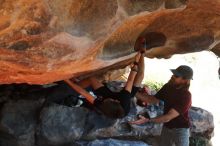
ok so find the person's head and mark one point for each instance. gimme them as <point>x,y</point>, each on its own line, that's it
<point>144,91</point>
<point>181,76</point>
<point>112,108</point>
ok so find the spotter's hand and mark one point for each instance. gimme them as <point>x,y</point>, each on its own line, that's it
<point>140,121</point>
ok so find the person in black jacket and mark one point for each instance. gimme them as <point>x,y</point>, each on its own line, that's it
<point>113,104</point>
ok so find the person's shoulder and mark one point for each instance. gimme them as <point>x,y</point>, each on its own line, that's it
<point>165,87</point>
<point>187,94</point>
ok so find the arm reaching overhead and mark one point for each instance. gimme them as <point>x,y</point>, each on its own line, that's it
<point>140,74</point>
<point>132,78</point>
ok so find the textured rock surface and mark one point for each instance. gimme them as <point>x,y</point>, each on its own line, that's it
<point>112,142</point>
<point>26,123</point>
<point>61,125</point>
<point>18,123</point>
<point>43,41</point>
<point>201,121</point>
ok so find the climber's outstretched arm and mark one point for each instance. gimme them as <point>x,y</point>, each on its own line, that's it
<point>140,74</point>
<point>132,74</point>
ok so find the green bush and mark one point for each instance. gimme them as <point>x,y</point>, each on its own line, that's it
<point>154,85</point>
<point>198,141</point>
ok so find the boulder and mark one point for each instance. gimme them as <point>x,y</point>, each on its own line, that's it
<point>29,122</point>
<point>202,127</point>
<point>18,122</point>
<point>61,125</point>
<point>112,142</point>
<point>43,41</point>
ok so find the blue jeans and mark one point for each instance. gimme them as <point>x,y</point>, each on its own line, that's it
<point>175,136</point>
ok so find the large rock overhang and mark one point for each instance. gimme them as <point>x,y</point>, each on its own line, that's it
<point>43,41</point>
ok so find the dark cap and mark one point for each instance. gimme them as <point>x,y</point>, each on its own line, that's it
<point>183,71</point>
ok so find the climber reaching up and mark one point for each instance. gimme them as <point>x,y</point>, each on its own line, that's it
<point>113,104</point>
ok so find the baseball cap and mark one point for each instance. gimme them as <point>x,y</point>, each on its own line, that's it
<point>183,71</point>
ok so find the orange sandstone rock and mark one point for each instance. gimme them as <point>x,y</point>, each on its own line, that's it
<point>42,41</point>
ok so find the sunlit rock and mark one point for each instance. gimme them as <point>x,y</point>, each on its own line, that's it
<point>42,41</point>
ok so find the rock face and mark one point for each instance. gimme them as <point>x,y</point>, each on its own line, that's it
<point>198,116</point>
<point>43,41</point>
<point>112,142</point>
<point>18,122</point>
<point>60,124</point>
<point>28,121</point>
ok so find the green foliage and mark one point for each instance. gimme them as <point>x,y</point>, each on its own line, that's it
<point>154,85</point>
<point>198,141</point>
